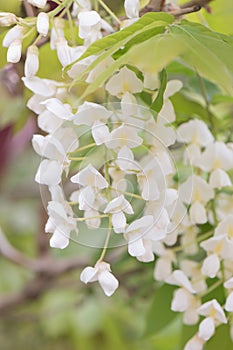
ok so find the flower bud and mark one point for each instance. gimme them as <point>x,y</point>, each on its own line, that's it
<point>38,3</point>
<point>57,32</point>
<point>32,61</point>
<point>7,19</point>
<point>14,51</point>
<point>42,23</point>
<point>63,52</point>
<point>13,34</point>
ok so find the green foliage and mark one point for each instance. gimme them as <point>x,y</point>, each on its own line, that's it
<point>158,102</point>
<point>160,314</point>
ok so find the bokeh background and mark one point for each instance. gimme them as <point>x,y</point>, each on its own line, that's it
<point>50,308</point>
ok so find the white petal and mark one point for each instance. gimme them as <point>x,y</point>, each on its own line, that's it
<point>89,112</point>
<point>136,247</point>
<point>119,204</point>
<point>132,8</point>
<point>163,269</point>
<point>173,86</point>
<point>14,33</point>
<point>211,266</point>
<point>180,300</point>
<point>124,81</point>
<point>100,133</point>
<point>229,303</point>
<point>55,106</point>
<point>48,122</point>
<point>59,239</point>
<point>39,86</point>
<point>206,329</point>
<point>89,274</point>
<point>194,343</point>
<point>119,222</point>
<point>180,279</point>
<point>49,173</point>
<point>32,61</point>
<point>141,224</point>
<point>219,178</point>
<point>197,213</point>
<point>89,176</point>
<point>14,51</point>
<point>42,23</point>
<point>108,282</point>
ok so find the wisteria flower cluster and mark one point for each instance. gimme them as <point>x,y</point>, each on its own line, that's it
<point>119,158</point>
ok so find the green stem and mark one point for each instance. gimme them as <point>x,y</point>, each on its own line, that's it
<point>198,240</point>
<point>106,240</point>
<point>109,11</point>
<point>83,148</point>
<point>127,193</point>
<point>59,8</point>
<point>211,288</point>
<point>76,158</point>
<point>92,217</point>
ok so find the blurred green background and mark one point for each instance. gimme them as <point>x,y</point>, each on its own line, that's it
<point>67,314</point>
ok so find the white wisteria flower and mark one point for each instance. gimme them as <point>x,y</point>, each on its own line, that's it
<point>117,207</point>
<point>197,192</point>
<point>89,26</point>
<point>214,316</point>
<point>42,23</point>
<point>14,51</point>
<point>229,301</point>
<point>15,33</point>
<point>101,272</point>
<point>194,132</point>
<point>38,3</point>
<point>124,81</point>
<point>225,227</point>
<point>7,19</point>
<point>124,136</point>
<point>89,176</point>
<point>132,8</point>
<point>217,155</point>
<point>195,343</point>
<point>218,248</point>
<point>32,61</point>
<point>60,224</point>
<point>140,235</point>
<point>167,112</point>
<point>89,113</point>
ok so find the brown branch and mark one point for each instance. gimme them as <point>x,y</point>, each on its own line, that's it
<point>188,7</point>
<point>12,254</point>
<point>192,3</point>
<point>28,9</point>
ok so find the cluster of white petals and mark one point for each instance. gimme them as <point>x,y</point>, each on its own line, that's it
<point>186,228</point>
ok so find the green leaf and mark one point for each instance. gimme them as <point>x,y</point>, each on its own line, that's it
<point>150,56</point>
<point>207,53</point>
<point>149,25</point>
<point>160,314</point>
<point>221,339</point>
<point>115,41</point>
<point>158,102</point>
<point>154,54</point>
<point>187,332</point>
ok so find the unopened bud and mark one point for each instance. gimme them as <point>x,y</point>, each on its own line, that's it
<point>13,34</point>
<point>7,19</point>
<point>63,52</point>
<point>32,61</point>
<point>42,23</point>
<point>56,32</point>
<point>38,3</point>
<point>14,51</point>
